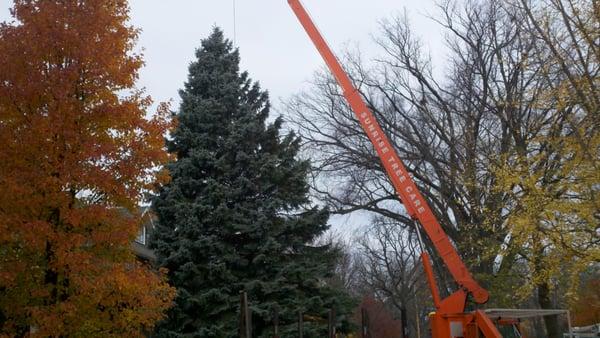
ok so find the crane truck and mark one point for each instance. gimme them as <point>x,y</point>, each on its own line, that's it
<point>450,319</point>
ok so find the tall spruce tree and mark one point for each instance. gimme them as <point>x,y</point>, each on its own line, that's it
<point>236,215</point>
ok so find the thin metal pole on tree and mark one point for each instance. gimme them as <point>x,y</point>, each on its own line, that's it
<point>417,317</point>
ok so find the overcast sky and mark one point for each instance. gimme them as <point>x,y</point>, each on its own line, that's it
<point>274,48</point>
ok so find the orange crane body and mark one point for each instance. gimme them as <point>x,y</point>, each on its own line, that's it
<point>449,320</point>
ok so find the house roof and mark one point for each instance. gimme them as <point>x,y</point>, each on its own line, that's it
<point>143,252</point>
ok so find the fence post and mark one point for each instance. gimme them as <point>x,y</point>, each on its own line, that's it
<point>245,321</point>
<point>365,330</point>
<point>331,323</point>
<point>276,321</point>
<point>300,324</point>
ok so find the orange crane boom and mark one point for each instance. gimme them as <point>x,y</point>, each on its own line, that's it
<point>406,189</point>
<point>416,206</point>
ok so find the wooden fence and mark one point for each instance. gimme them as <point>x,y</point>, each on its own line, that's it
<point>246,322</point>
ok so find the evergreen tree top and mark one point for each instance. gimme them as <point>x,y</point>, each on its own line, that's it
<point>216,57</point>
<point>215,95</point>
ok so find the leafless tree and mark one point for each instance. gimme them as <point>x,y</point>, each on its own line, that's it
<point>383,263</point>
<point>346,270</point>
<point>448,130</point>
<point>389,269</point>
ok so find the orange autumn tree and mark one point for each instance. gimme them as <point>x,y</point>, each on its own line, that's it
<point>77,156</point>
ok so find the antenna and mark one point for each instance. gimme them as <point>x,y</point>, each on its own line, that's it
<point>234,23</point>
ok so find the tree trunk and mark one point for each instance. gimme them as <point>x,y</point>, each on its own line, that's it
<point>551,322</point>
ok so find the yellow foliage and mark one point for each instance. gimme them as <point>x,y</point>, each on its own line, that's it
<point>553,186</point>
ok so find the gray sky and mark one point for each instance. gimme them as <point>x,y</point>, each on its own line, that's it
<point>274,48</point>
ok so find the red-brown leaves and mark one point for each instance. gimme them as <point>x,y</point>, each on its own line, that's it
<point>77,151</point>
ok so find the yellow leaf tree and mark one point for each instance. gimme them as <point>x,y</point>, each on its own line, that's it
<point>552,186</point>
